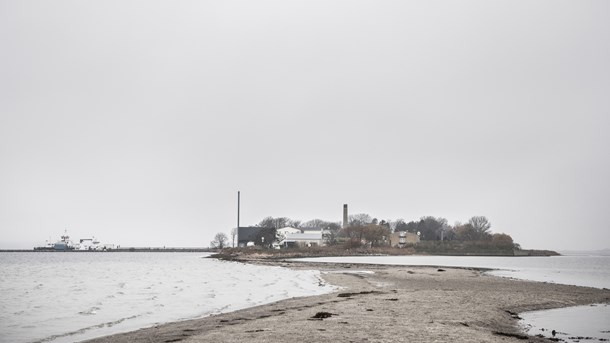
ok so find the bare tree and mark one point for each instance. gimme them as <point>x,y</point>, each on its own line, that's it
<point>266,237</point>
<point>315,223</point>
<point>480,223</point>
<point>376,235</point>
<point>276,223</point>
<point>386,223</point>
<point>294,223</point>
<point>330,233</point>
<point>465,232</point>
<point>372,234</point>
<point>431,228</point>
<point>234,235</point>
<point>502,239</point>
<point>398,225</point>
<point>477,229</point>
<point>360,219</point>
<point>220,241</point>
<point>354,235</point>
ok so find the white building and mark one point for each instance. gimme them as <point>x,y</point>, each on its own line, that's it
<point>281,233</point>
<point>310,239</point>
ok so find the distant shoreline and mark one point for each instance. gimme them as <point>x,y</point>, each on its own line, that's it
<point>161,249</point>
<point>248,254</point>
<point>238,253</point>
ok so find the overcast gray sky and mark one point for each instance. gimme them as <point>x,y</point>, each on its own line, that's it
<point>138,121</point>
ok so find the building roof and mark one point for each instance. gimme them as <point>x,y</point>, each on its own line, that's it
<point>293,237</point>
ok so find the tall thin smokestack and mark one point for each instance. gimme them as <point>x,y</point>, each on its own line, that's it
<point>237,218</point>
<point>345,215</point>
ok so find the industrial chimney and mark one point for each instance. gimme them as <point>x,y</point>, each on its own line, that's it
<point>345,223</point>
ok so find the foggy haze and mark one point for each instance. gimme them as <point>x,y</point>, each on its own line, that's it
<point>138,121</point>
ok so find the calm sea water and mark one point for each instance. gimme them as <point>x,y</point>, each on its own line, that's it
<point>69,297</point>
<point>582,270</point>
<point>575,324</point>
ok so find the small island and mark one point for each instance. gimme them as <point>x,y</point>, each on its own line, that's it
<point>362,234</point>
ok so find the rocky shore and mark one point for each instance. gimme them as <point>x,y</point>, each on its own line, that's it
<point>383,304</point>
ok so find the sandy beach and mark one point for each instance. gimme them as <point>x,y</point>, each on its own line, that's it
<point>383,304</point>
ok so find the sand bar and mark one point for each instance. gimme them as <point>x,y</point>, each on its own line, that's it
<point>391,304</point>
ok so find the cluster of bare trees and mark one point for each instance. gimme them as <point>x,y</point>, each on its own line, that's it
<point>477,229</point>
<point>220,241</point>
<point>369,233</point>
<point>364,229</point>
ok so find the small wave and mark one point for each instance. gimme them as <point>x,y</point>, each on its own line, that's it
<point>83,330</point>
<point>90,311</point>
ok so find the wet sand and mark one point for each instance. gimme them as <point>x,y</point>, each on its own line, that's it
<point>391,304</point>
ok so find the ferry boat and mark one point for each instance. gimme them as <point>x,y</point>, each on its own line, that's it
<point>64,244</point>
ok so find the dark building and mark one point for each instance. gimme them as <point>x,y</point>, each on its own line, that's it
<point>255,234</point>
<point>247,234</point>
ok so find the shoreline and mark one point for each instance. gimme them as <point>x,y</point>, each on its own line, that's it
<point>116,250</point>
<point>237,253</point>
<point>393,303</point>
